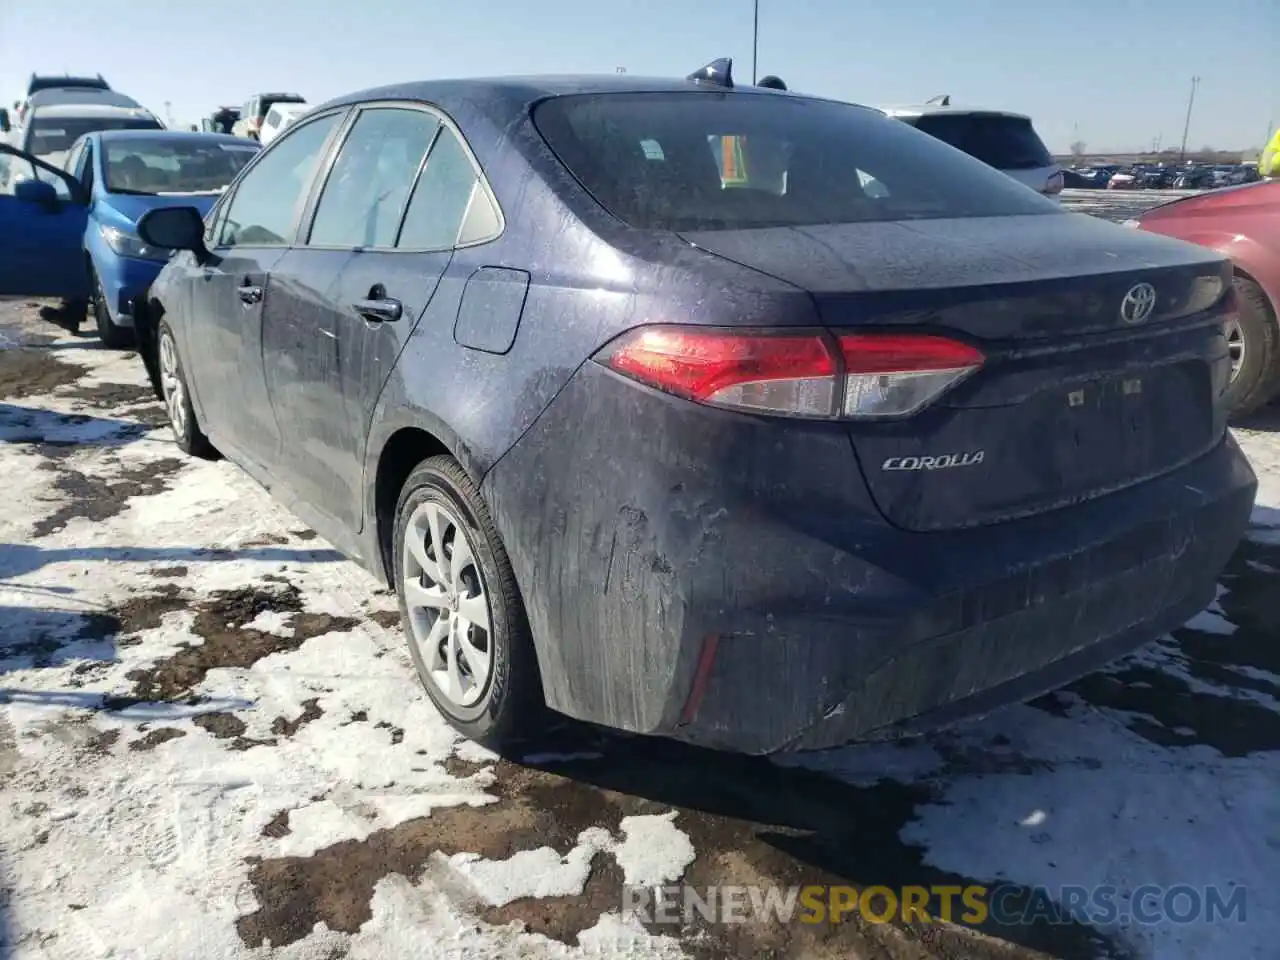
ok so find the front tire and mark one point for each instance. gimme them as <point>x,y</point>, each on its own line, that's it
<point>177,398</point>
<point>1255,352</point>
<point>461,609</point>
<point>113,337</point>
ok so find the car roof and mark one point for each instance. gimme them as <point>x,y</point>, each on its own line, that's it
<point>175,135</point>
<point>80,95</point>
<point>516,91</point>
<point>89,110</point>
<point>55,80</point>
<point>930,109</point>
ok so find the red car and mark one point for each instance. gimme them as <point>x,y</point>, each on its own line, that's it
<point>1243,223</point>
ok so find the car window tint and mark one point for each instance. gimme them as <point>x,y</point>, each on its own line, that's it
<point>715,161</point>
<point>263,209</point>
<point>440,198</point>
<point>72,162</point>
<point>86,173</point>
<point>365,193</point>
<point>12,170</point>
<point>1007,143</point>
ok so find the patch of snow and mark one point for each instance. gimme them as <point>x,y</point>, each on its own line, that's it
<point>654,851</point>
<point>425,920</point>
<point>534,873</point>
<point>1209,621</point>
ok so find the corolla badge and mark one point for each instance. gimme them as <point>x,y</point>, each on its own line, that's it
<point>1138,304</point>
<point>946,461</point>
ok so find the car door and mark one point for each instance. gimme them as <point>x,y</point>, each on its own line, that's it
<point>322,327</point>
<point>41,230</point>
<point>229,287</point>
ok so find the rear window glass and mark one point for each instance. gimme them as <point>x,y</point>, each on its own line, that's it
<point>269,102</point>
<point>1007,143</point>
<point>56,134</point>
<point>723,161</point>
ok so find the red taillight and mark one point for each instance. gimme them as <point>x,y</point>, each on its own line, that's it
<point>800,375</point>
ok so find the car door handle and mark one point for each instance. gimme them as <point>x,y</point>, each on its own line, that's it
<point>250,294</point>
<point>379,309</point>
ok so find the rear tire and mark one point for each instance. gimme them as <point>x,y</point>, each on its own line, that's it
<point>177,398</point>
<point>113,337</point>
<point>442,523</point>
<point>1256,382</point>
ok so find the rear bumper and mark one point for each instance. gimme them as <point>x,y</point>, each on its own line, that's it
<point>725,581</point>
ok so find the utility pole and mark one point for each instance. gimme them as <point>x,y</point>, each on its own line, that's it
<point>1182,154</point>
<point>755,38</point>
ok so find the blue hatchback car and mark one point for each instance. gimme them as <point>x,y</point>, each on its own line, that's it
<point>84,216</point>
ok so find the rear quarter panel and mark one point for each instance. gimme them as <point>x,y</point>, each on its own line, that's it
<point>591,278</point>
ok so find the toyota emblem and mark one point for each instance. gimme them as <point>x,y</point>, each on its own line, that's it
<point>1138,304</point>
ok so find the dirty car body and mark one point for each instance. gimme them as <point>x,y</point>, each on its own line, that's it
<point>777,466</point>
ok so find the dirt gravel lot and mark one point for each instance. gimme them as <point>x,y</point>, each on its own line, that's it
<point>212,745</point>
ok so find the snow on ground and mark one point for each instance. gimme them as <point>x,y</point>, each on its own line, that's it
<point>1118,204</point>
<point>189,681</point>
<point>212,745</point>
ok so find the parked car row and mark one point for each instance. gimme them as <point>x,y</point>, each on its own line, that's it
<point>252,122</point>
<point>679,468</point>
<point>1188,176</point>
<point>57,111</point>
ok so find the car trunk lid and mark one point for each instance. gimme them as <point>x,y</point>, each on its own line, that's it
<point>1072,401</point>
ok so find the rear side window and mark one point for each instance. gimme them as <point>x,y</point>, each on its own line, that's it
<point>441,197</point>
<point>1006,143</point>
<point>724,161</point>
<point>364,197</point>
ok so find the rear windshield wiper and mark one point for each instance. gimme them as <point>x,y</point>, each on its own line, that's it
<point>135,193</point>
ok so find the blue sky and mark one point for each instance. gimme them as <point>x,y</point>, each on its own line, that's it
<point>1113,74</point>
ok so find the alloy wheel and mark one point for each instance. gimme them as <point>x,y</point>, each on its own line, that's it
<point>448,605</point>
<point>175,394</point>
<point>1235,346</point>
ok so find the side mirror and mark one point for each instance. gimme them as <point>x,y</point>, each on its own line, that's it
<point>40,192</point>
<point>5,126</point>
<point>173,228</point>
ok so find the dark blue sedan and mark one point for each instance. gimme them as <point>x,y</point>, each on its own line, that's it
<point>110,179</point>
<point>713,412</point>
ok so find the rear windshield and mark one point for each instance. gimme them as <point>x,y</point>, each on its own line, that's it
<point>268,102</point>
<point>57,134</point>
<point>145,165</point>
<point>1007,143</point>
<point>725,161</point>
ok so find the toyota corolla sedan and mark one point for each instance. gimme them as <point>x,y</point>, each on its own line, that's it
<point>764,465</point>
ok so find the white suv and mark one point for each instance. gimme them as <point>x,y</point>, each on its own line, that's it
<point>1006,141</point>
